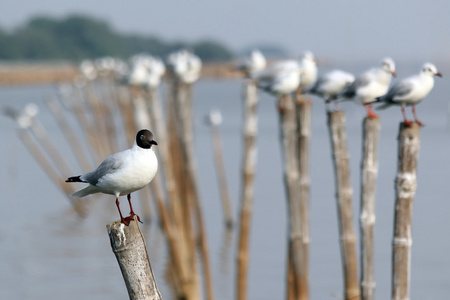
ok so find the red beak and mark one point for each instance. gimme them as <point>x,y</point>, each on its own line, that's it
<point>438,74</point>
<point>393,73</point>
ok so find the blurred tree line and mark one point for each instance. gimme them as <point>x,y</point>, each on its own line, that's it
<point>78,37</point>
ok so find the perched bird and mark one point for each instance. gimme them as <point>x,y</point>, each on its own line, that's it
<point>331,84</point>
<point>256,62</point>
<point>308,69</point>
<point>281,78</point>
<point>411,91</point>
<point>122,173</point>
<point>185,66</point>
<point>370,85</point>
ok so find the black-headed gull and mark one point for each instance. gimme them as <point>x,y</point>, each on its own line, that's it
<point>411,91</point>
<point>331,84</point>
<point>281,78</point>
<point>122,173</point>
<point>370,85</point>
<point>308,69</point>
<point>252,64</point>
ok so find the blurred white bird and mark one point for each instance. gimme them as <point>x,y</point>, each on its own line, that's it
<point>370,85</point>
<point>308,68</point>
<point>252,64</point>
<point>411,91</point>
<point>331,84</point>
<point>139,68</point>
<point>88,70</point>
<point>281,78</point>
<point>156,70</point>
<point>185,66</point>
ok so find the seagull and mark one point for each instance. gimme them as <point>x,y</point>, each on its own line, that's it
<point>185,65</point>
<point>331,84</point>
<point>308,67</point>
<point>411,91</point>
<point>256,62</point>
<point>122,173</point>
<point>282,78</point>
<point>370,85</point>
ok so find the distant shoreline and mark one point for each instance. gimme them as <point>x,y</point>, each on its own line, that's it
<point>12,74</point>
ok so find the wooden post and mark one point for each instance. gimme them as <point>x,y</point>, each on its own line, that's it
<point>220,170</point>
<point>250,130</point>
<point>289,142</point>
<point>128,245</point>
<point>369,171</point>
<point>344,194</point>
<point>183,104</point>
<point>304,139</point>
<point>405,186</point>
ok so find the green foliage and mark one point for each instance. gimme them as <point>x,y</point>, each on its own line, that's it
<point>77,37</point>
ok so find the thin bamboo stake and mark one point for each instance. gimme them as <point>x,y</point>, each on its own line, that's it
<point>220,167</point>
<point>304,140</point>
<point>288,137</point>
<point>128,245</point>
<point>182,211</point>
<point>27,139</point>
<point>344,194</point>
<point>250,130</point>
<point>157,122</point>
<point>69,134</point>
<point>41,135</point>
<point>406,184</point>
<point>81,115</point>
<point>369,171</point>
<point>185,131</point>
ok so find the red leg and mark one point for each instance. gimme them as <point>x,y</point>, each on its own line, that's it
<point>370,112</point>
<point>132,214</point>
<point>407,122</point>
<point>415,117</point>
<point>120,213</point>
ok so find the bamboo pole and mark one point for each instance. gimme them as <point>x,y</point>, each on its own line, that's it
<point>215,118</point>
<point>69,134</point>
<point>26,137</point>
<point>405,186</point>
<point>186,136</point>
<point>250,130</point>
<point>128,245</point>
<point>344,194</point>
<point>157,121</point>
<point>289,142</point>
<point>369,171</point>
<point>304,140</point>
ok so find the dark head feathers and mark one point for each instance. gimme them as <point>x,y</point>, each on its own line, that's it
<point>144,139</point>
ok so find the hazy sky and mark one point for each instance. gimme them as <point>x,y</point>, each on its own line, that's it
<point>332,29</point>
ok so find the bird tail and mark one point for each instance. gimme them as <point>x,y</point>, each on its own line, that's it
<point>84,192</point>
<point>384,106</point>
<point>74,179</point>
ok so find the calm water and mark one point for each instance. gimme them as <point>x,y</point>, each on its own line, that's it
<point>47,252</point>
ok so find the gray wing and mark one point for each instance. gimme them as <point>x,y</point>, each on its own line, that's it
<point>360,82</point>
<point>399,90</point>
<point>315,89</point>
<point>109,165</point>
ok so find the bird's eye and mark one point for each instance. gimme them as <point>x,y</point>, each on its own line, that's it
<point>141,137</point>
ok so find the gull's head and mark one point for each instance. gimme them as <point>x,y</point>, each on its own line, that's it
<point>308,56</point>
<point>144,139</point>
<point>388,65</point>
<point>430,70</point>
